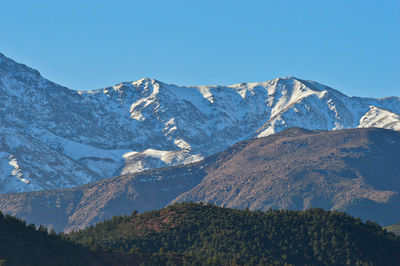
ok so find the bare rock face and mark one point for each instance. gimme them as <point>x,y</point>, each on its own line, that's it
<point>52,137</point>
<point>354,170</point>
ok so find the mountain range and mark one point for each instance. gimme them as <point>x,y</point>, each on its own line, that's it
<point>52,137</point>
<point>353,170</point>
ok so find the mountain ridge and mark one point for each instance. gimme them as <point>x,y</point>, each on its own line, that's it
<point>353,170</point>
<point>54,137</point>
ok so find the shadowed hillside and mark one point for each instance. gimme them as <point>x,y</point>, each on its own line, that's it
<point>22,244</point>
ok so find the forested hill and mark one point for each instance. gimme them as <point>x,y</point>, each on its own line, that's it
<point>222,236</point>
<point>197,234</point>
<point>23,244</point>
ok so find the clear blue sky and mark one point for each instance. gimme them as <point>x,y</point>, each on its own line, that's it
<point>353,46</point>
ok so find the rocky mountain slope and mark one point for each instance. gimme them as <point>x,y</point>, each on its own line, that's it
<point>355,170</point>
<point>53,137</point>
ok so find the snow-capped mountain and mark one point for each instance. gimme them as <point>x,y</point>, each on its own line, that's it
<point>53,137</point>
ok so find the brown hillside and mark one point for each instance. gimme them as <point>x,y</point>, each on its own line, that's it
<point>354,170</point>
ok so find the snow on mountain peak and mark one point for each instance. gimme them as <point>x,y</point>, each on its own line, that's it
<point>63,138</point>
<point>144,81</point>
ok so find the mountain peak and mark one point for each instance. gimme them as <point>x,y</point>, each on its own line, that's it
<point>144,80</point>
<point>288,78</point>
<point>9,67</point>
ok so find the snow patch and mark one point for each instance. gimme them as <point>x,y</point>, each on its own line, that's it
<point>17,170</point>
<point>182,144</point>
<point>377,117</point>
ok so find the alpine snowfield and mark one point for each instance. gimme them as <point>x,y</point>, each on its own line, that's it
<point>53,137</point>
